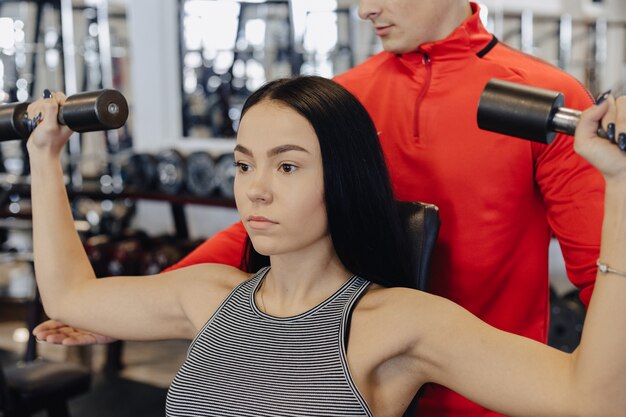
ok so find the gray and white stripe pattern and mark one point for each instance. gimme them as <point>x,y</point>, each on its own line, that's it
<point>246,363</point>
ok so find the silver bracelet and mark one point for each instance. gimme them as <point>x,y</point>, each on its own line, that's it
<point>604,268</point>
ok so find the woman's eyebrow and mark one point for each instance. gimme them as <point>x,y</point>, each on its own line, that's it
<point>243,150</point>
<point>272,152</point>
<point>285,148</point>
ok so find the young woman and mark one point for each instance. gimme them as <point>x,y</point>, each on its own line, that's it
<point>326,328</point>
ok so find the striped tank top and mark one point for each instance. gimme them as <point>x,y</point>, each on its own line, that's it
<point>244,362</point>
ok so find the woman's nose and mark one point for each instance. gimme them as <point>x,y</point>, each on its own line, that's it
<point>259,189</point>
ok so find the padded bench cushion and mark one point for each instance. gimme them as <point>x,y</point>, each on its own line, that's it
<point>43,378</point>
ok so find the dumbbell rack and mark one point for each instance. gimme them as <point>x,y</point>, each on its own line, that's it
<point>31,308</point>
<point>177,203</point>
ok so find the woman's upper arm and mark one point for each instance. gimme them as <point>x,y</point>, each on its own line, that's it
<point>171,305</point>
<point>501,371</point>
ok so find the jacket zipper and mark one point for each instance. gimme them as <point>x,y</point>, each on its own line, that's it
<point>422,94</point>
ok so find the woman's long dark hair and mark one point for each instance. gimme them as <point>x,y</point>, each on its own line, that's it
<point>363,221</point>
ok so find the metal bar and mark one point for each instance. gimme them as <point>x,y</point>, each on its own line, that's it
<point>104,44</point>
<point>180,220</point>
<point>565,41</point>
<point>35,314</point>
<point>527,32</point>
<point>601,51</point>
<point>31,87</point>
<point>106,71</point>
<point>36,39</point>
<point>70,80</point>
<point>498,21</point>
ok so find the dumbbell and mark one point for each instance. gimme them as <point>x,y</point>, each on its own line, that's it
<point>526,112</point>
<point>84,112</point>
<point>140,171</point>
<point>161,252</point>
<point>170,169</point>
<point>99,249</point>
<point>200,174</point>
<point>125,255</point>
<point>225,171</point>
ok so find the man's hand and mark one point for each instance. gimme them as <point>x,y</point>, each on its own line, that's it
<point>52,331</point>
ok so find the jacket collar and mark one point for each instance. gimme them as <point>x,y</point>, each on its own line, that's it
<point>471,36</point>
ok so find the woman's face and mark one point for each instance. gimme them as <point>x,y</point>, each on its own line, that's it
<point>279,186</point>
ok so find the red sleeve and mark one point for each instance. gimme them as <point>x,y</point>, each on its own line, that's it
<point>225,247</point>
<point>573,192</point>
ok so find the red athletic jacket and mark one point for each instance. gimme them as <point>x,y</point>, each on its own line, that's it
<point>500,198</point>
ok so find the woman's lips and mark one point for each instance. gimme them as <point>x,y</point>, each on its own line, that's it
<point>260,222</point>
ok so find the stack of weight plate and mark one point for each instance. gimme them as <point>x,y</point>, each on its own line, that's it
<point>170,172</point>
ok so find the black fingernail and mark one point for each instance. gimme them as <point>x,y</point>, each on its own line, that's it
<point>47,93</point>
<point>603,97</point>
<point>610,132</point>
<point>621,141</point>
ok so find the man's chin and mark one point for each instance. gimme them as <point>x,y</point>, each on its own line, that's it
<point>394,48</point>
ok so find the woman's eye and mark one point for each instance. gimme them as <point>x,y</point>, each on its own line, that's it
<point>242,167</point>
<point>288,168</point>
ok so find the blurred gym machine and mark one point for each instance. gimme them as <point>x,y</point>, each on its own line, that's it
<point>55,45</point>
<point>100,73</point>
<point>578,46</point>
<point>53,53</point>
<point>40,49</point>
<point>229,50</point>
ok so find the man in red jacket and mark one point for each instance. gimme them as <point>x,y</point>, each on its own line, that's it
<point>501,199</point>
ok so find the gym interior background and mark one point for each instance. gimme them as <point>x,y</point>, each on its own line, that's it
<point>145,194</point>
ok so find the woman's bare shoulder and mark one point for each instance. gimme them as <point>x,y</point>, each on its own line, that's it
<point>384,299</point>
<point>212,274</point>
<point>405,310</point>
<point>386,325</point>
<point>204,287</point>
<point>205,282</point>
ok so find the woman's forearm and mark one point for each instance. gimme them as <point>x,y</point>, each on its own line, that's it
<point>613,249</point>
<point>600,361</point>
<point>61,263</point>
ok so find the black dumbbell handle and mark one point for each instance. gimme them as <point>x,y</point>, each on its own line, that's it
<point>526,112</point>
<point>84,112</point>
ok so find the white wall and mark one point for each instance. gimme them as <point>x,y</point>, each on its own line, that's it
<point>154,71</point>
<point>156,110</point>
